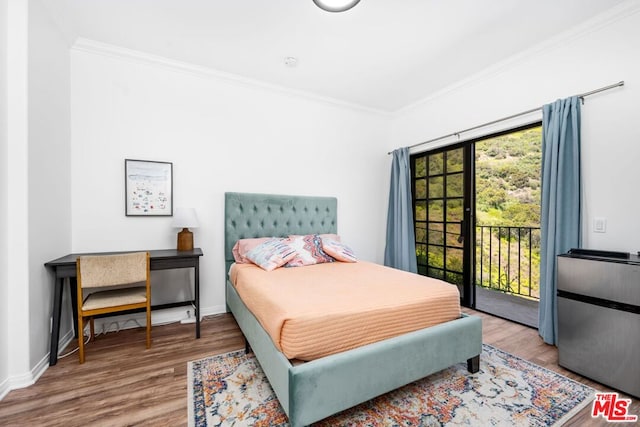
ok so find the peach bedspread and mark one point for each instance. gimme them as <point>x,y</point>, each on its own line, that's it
<point>318,310</point>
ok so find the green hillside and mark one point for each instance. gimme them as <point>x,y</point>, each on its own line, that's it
<point>508,179</point>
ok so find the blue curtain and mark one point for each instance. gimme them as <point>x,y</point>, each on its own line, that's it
<point>400,250</point>
<point>560,222</point>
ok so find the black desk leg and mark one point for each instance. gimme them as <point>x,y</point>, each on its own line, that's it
<point>73,290</point>
<point>55,328</point>
<point>197,292</point>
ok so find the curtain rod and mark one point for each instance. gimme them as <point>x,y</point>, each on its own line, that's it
<point>582,96</point>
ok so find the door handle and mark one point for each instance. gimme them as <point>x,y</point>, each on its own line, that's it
<point>461,236</point>
<point>467,214</point>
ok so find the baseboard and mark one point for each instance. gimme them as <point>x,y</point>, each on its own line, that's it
<point>39,369</point>
<point>24,380</point>
<point>4,388</point>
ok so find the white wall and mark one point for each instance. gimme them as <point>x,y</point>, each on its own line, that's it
<point>35,201</point>
<point>221,135</point>
<point>49,176</point>
<point>16,304</point>
<point>602,52</point>
<point>4,204</point>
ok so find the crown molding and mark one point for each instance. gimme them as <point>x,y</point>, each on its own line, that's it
<point>602,20</point>
<point>99,48</point>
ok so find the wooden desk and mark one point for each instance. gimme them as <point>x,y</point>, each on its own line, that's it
<point>165,259</point>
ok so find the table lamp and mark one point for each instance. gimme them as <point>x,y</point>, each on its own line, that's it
<point>185,218</point>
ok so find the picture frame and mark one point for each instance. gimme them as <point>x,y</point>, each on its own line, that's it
<point>148,188</point>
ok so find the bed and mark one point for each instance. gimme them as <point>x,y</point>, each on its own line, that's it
<point>314,390</point>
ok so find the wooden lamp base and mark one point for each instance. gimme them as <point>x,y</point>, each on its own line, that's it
<point>185,240</point>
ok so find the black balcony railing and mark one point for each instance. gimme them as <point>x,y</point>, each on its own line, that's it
<point>508,259</point>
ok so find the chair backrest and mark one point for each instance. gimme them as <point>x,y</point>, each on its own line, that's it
<point>109,270</point>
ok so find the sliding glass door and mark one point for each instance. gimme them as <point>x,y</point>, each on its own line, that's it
<point>476,212</point>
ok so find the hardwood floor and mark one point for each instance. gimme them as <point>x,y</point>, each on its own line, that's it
<point>123,384</point>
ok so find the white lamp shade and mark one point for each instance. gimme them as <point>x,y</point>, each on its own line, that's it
<point>185,218</point>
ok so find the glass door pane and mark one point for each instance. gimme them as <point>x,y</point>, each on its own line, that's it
<point>441,205</point>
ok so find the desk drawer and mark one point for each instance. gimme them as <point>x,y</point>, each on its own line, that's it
<point>170,263</point>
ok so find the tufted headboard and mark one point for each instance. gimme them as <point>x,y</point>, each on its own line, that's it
<point>249,215</point>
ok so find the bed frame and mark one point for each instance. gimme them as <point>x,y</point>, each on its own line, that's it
<point>311,391</point>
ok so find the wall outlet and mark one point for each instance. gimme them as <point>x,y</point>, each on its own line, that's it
<point>599,225</point>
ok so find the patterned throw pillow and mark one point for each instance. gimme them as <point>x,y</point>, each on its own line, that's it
<point>339,251</point>
<point>271,254</point>
<point>308,251</point>
<point>243,246</point>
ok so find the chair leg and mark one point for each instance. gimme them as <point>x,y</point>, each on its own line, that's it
<point>92,329</point>
<point>80,338</point>
<point>148,327</point>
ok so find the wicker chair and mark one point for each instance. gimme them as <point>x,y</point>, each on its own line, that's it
<point>126,278</point>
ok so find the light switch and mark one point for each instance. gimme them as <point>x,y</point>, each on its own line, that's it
<point>599,225</point>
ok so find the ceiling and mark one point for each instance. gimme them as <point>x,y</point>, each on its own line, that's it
<point>382,54</point>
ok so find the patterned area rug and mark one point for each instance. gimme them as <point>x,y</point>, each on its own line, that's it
<point>231,390</point>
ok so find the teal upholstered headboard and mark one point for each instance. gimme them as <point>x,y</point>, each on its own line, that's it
<point>249,215</point>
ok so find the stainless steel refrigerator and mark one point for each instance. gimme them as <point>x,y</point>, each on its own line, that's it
<point>599,317</point>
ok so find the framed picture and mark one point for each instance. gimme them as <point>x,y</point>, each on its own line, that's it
<point>148,187</point>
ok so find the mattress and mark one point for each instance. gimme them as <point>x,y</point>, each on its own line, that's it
<point>314,311</point>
